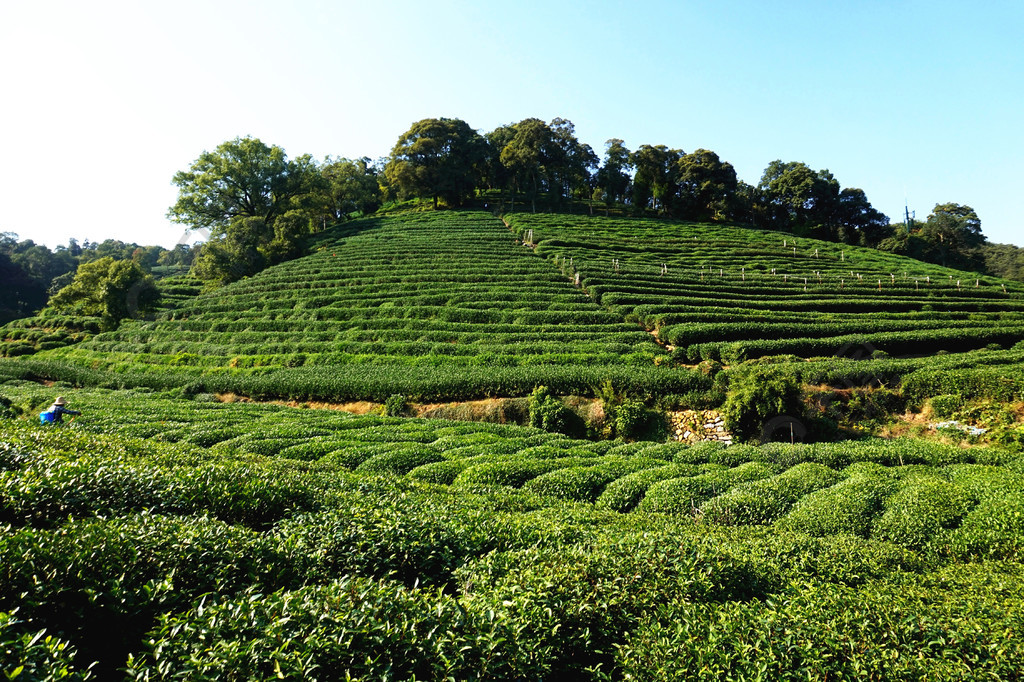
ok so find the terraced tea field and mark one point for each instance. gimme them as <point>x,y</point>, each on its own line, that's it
<point>731,294</point>
<point>438,306</point>
<point>161,538</point>
<point>408,291</point>
<point>454,305</point>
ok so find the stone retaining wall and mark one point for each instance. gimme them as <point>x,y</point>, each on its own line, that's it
<point>698,426</point>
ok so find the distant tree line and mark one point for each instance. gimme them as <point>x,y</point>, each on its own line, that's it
<point>30,273</point>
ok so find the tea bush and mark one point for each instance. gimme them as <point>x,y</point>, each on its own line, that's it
<point>685,495</point>
<point>766,500</point>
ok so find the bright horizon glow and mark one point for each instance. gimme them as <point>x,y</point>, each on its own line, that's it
<point>105,101</point>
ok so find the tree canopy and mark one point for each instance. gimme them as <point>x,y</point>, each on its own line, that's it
<point>242,178</point>
<point>350,187</point>
<point>707,185</point>
<point>951,233</point>
<point>442,158</point>
<point>107,288</point>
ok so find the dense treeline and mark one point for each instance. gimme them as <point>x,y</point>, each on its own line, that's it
<point>31,273</point>
<point>258,204</point>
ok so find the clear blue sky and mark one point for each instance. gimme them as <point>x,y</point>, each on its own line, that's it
<point>103,101</point>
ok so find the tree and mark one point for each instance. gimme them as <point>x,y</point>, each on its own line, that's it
<point>1004,260</point>
<point>707,185</point>
<point>800,199</point>
<point>655,178</point>
<point>577,160</point>
<point>242,178</point>
<point>613,177</point>
<point>351,187</point>
<point>249,245</point>
<point>498,176</point>
<point>530,156</point>
<point>858,221</point>
<point>442,158</point>
<point>951,234</point>
<point>23,295</point>
<point>40,263</point>
<point>107,288</point>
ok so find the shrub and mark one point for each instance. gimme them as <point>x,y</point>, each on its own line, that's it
<point>548,413</point>
<point>571,607</point>
<point>624,494</point>
<point>395,405</point>
<point>992,530</point>
<point>352,628</point>
<point>765,500</point>
<point>512,473</point>
<point>404,538</point>
<point>850,506</point>
<point>685,495</point>
<point>756,395</point>
<point>916,513</point>
<point>898,629</point>
<point>633,421</point>
<point>400,460</point>
<point>945,406</point>
<point>443,472</point>
<point>31,654</point>
<point>100,584</point>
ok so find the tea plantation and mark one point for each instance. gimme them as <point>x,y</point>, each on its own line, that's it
<point>173,533</point>
<point>454,305</point>
<point>192,539</point>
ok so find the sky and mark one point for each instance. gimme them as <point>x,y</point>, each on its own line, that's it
<point>916,102</point>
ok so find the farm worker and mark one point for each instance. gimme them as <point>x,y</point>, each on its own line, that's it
<point>55,413</point>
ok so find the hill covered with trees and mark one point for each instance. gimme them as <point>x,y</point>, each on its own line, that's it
<point>257,202</point>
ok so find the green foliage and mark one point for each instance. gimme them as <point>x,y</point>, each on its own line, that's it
<point>439,158</point>
<point>116,576</point>
<point>352,188</point>
<point>242,178</point>
<point>685,495</point>
<point>630,417</point>
<point>400,460</point>
<point>35,655</point>
<point>625,493</point>
<point>992,530</point>
<point>766,500</point>
<point>571,607</point>
<point>757,395</point>
<point>394,405</point>
<point>850,506</point>
<point>352,628</point>
<point>7,409</point>
<point>549,413</point>
<point>109,289</point>
<point>249,244</point>
<point>920,510</point>
<point>903,628</point>
<point>185,539</point>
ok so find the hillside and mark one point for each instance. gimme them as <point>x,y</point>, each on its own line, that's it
<point>454,305</point>
<point>169,532</point>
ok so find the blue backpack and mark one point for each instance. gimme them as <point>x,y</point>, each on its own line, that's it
<point>47,417</point>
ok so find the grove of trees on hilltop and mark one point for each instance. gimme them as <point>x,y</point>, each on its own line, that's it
<point>259,205</point>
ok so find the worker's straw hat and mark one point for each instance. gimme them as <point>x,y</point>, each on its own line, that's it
<point>60,401</point>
